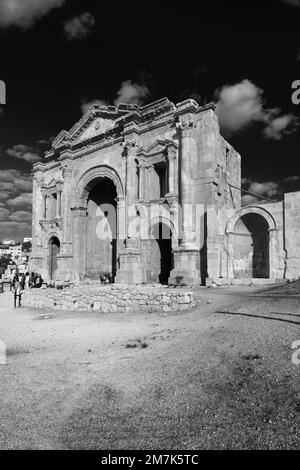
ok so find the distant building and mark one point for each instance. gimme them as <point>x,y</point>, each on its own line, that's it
<point>9,242</point>
<point>27,240</point>
<point>15,252</point>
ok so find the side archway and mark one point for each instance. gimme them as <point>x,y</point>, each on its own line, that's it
<point>54,250</point>
<point>161,262</point>
<point>250,243</point>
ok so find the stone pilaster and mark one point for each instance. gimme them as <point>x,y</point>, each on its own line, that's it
<point>79,242</point>
<point>130,265</point>
<point>187,256</point>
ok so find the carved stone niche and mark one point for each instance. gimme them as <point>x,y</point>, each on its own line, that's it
<point>51,225</point>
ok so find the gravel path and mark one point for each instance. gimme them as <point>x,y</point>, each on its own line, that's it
<point>218,377</point>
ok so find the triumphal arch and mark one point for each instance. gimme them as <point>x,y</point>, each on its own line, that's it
<point>148,194</point>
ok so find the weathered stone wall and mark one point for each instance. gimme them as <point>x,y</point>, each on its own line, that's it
<point>111,298</point>
<point>292,234</point>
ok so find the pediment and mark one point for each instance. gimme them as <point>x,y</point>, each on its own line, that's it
<point>158,147</point>
<point>95,127</point>
<point>96,121</point>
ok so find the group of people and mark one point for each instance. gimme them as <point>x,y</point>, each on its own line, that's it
<point>26,280</point>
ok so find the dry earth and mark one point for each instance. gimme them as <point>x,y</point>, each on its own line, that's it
<point>218,377</point>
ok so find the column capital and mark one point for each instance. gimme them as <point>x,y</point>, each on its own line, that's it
<point>187,128</point>
<point>131,147</point>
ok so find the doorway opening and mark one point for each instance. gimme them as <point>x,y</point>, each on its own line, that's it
<point>54,249</point>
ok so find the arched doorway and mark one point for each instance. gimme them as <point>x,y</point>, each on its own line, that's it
<point>54,249</point>
<point>162,256</point>
<point>251,247</point>
<point>101,228</point>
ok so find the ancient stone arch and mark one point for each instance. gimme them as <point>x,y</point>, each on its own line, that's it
<point>166,221</point>
<point>258,214</point>
<point>250,210</point>
<point>86,239</point>
<point>85,182</point>
<point>54,245</point>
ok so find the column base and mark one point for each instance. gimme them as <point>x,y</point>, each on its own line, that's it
<point>130,271</point>
<point>186,270</point>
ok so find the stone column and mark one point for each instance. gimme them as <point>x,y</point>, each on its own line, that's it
<point>131,182</point>
<point>230,255</point>
<point>79,242</point>
<point>130,271</point>
<point>188,158</point>
<point>147,175</point>
<point>121,221</point>
<point>142,180</point>
<point>44,215</point>
<point>66,203</point>
<point>172,173</point>
<point>58,204</point>
<point>38,261</point>
<point>274,256</point>
<point>187,256</point>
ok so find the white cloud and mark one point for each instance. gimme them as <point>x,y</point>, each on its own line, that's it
<point>292,179</point>
<point>21,200</point>
<point>3,213</point>
<point>268,189</point>
<point>15,203</point>
<point>280,126</point>
<point>24,13</point>
<point>241,105</point>
<point>238,105</point>
<point>131,93</point>
<point>24,152</point>
<point>86,105</point>
<point>18,229</point>
<point>295,3</point>
<point>20,216</point>
<point>80,26</point>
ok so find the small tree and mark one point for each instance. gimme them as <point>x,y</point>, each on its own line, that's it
<point>26,247</point>
<point>4,262</point>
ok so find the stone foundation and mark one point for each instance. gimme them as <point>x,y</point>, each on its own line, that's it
<point>111,298</point>
<point>243,281</point>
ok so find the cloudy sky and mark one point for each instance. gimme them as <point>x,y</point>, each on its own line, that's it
<point>59,56</point>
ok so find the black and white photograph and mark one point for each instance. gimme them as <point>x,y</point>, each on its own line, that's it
<point>149,228</point>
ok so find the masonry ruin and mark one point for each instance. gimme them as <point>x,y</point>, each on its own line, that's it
<point>152,194</point>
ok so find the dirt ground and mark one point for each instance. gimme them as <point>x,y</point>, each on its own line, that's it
<point>218,377</point>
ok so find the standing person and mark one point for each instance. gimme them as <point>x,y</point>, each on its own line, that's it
<point>32,279</point>
<point>38,280</point>
<point>17,292</point>
<point>27,280</point>
<point>15,279</point>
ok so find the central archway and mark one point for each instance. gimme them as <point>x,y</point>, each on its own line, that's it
<point>94,210</point>
<point>101,223</point>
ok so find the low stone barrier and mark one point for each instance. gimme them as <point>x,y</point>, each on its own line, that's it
<point>112,298</point>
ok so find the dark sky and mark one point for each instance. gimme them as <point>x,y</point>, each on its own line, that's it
<point>177,49</point>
